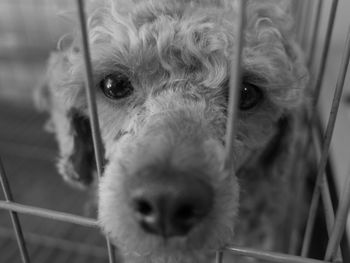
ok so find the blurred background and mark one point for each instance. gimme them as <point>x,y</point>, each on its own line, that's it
<point>29,30</point>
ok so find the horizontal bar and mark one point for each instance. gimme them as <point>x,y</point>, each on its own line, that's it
<point>60,244</point>
<point>14,217</point>
<point>47,213</point>
<point>270,256</point>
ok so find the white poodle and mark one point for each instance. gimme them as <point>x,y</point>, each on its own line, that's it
<point>161,71</point>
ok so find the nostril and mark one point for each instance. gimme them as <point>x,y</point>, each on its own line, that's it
<point>185,212</point>
<point>170,207</point>
<point>143,207</point>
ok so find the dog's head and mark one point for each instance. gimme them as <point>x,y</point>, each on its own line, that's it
<point>161,71</point>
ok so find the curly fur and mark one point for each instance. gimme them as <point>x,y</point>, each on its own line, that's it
<point>177,55</point>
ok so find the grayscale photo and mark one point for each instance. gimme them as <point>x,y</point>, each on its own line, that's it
<point>174,131</point>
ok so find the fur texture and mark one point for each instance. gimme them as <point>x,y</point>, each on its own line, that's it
<point>177,56</point>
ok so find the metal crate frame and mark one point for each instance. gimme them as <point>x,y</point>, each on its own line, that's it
<point>336,222</point>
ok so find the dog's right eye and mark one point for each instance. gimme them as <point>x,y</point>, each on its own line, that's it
<point>251,96</point>
<point>116,86</point>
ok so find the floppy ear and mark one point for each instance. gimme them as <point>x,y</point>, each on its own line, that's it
<point>280,171</point>
<point>273,160</point>
<point>76,162</point>
<point>291,136</point>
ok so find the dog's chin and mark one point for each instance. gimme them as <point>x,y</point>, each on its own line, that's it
<point>151,248</point>
<point>138,246</point>
<point>170,255</point>
<point>172,250</point>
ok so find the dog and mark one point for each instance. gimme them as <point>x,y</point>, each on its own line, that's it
<point>161,70</point>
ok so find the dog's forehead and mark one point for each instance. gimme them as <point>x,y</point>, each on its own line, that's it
<point>163,42</point>
<point>191,47</point>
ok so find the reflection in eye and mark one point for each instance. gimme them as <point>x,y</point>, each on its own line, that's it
<point>116,86</point>
<point>251,95</point>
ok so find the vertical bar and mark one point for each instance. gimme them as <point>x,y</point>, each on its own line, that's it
<point>329,215</point>
<point>298,7</point>
<point>325,193</point>
<point>340,221</point>
<point>89,89</point>
<point>234,84</point>
<point>327,141</point>
<point>325,51</point>
<point>305,28</point>
<point>14,217</point>
<point>315,32</point>
<point>219,256</point>
<point>91,100</point>
<point>300,16</point>
<point>304,148</point>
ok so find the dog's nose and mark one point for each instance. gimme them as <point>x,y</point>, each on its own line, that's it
<point>171,206</point>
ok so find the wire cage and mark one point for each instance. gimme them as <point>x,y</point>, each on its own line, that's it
<point>315,29</point>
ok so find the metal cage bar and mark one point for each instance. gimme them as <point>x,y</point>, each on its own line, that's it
<point>315,29</point>
<point>344,203</point>
<point>325,191</point>
<point>340,221</point>
<point>329,216</point>
<point>325,51</point>
<point>50,214</point>
<point>339,224</point>
<point>91,100</point>
<point>325,151</point>
<point>219,256</point>
<point>270,256</point>
<point>304,30</point>
<point>299,14</point>
<point>14,217</point>
<point>234,84</point>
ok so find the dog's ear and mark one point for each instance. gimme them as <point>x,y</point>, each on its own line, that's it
<point>42,101</point>
<point>276,156</point>
<point>279,145</point>
<point>285,146</point>
<point>76,162</point>
<point>77,165</point>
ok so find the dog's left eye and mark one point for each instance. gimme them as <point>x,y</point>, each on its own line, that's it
<point>116,86</point>
<point>251,96</point>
